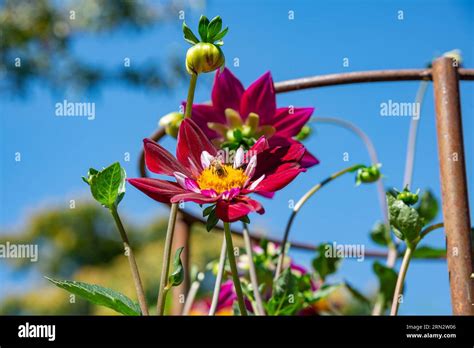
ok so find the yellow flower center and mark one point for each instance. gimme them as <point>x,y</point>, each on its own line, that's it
<point>221,178</point>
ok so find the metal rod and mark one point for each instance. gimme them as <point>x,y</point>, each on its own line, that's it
<point>361,77</point>
<point>453,185</point>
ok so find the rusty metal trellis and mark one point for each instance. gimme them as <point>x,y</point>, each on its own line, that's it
<point>455,203</point>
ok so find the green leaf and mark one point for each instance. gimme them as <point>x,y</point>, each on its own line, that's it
<point>212,220</point>
<point>208,210</point>
<point>108,185</point>
<point>214,27</point>
<point>203,32</point>
<point>325,264</point>
<point>189,35</point>
<point>245,219</point>
<point>220,35</point>
<point>286,283</point>
<point>90,174</point>
<point>380,234</point>
<point>387,281</point>
<point>100,296</point>
<point>427,252</point>
<point>324,291</point>
<point>428,207</point>
<point>405,220</point>
<point>177,276</point>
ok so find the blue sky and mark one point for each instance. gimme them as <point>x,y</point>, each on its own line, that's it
<point>57,151</point>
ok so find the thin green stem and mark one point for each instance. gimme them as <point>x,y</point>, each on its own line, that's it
<point>430,229</point>
<point>160,306</point>
<point>190,99</point>
<point>252,271</point>
<point>131,260</point>
<point>233,267</point>
<point>401,279</point>
<point>406,262</point>
<point>220,273</point>
<point>298,206</point>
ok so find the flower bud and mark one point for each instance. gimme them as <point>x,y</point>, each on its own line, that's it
<point>304,133</point>
<point>204,57</point>
<point>407,197</point>
<point>368,174</point>
<point>171,123</point>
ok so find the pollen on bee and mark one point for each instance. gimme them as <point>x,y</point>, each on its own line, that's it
<point>221,178</point>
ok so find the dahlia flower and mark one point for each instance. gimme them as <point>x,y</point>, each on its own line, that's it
<point>240,117</point>
<point>204,175</point>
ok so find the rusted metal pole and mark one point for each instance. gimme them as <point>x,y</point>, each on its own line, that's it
<point>453,185</point>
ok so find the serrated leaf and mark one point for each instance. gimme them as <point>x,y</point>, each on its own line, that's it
<point>380,234</point>
<point>189,35</point>
<point>108,185</point>
<point>325,265</point>
<point>427,252</point>
<point>387,281</point>
<point>214,27</point>
<point>212,220</point>
<point>428,207</point>
<point>405,220</point>
<point>99,295</point>
<point>285,284</point>
<point>177,276</point>
<point>202,28</point>
<point>221,35</point>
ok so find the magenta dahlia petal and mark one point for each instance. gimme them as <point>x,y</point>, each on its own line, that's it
<point>278,180</point>
<point>307,160</point>
<point>158,160</point>
<point>260,145</point>
<point>193,197</point>
<point>202,114</point>
<point>227,91</point>
<point>260,99</point>
<point>289,121</point>
<point>230,211</point>
<point>270,160</point>
<point>159,190</point>
<point>191,143</point>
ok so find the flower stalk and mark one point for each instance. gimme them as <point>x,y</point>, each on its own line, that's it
<point>233,267</point>
<point>411,247</point>
<point>252,271</point>
<point>220,273</point>
<point>160,306</point>
<point>131,260</point>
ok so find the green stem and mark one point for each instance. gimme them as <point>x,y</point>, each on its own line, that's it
<point>252,271</point>
<point>430,229</point>
<point>160,306</point>
<point>298,206</point>
<point>401,279</point>
<point>406,262</point>
<point>220,273</point>
<point>131,261</point>
<point>189,101</point>
<point>233,267</point>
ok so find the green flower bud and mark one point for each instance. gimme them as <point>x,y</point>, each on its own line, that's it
<point>407,197</point>
<point>304,133</point>
<point>368,174</point>
<point>171,123</point>
<point>204,57</point>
